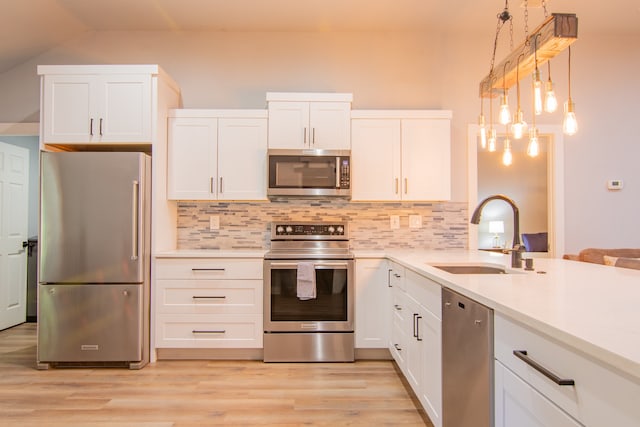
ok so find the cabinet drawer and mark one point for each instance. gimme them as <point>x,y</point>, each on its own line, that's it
<point>209,296</point>
<point>209,331</point>
<point>600,395</point>
<point>425,291</point>
<point>396,276</point>
<point>208,268</point>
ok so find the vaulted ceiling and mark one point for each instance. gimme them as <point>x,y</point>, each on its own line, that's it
<point>31,27</point>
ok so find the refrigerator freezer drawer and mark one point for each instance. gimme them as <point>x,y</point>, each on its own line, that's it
<point>90,323</point>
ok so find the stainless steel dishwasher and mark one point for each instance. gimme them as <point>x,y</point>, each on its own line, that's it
<point>467,362</point>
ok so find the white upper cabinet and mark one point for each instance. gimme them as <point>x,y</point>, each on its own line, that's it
<point>217,155</point>
<point>313,121</point>
<point>97,104</point>
<point>401,155</point>
<point>193,158</point>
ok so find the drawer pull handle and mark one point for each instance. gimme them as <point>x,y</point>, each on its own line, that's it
<point>397,307</point>
<point>389,278</point>
<point>195,331</point>
<point>208,297</point>
<point>397,347</point>
<point>207,269</point>
<point>522,355</point>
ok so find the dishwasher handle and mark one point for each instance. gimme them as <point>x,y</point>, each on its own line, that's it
<point>522,355</point>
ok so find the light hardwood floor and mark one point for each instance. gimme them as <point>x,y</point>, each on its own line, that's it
<point>199,393</point>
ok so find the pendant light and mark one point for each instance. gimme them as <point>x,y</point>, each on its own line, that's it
<point>491,140</point>
<point>537,83</point>
<point>519,126</point>
<point>507,156</point>
<point>550,100</point>
<point>570,124</point>
<point>504,115</point>
<point>482,131</point>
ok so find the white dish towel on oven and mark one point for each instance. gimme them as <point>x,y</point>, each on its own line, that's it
<point>306,286</point>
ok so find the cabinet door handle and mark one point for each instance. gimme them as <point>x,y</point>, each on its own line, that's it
<point>389,278</point>
<point>91,126</point>
<point>100,126</point>
<point>221,190</point>
<point>305,136</point>
<point>211,185</point>
<point>221,331</point>
<point>522,355</point>
<point>208,297</point>
<point>397,347</point>
<point>418,328</point>
<point>406,185</point>
<point>415,333</point>
<point>396,185</point>
<point>313,136</point>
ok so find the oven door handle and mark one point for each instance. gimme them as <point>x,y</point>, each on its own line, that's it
<point>318,266</point>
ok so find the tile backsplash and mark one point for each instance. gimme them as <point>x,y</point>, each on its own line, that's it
<point>247,225</point>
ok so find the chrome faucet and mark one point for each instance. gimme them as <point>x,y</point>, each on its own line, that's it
<point>517,249</point>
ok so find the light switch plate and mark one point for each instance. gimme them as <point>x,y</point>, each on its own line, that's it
<point>214,222</point>
<point>394,222</point>
<point>415,221</point>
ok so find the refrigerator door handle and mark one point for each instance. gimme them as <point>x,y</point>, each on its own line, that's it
<point>135,220</point>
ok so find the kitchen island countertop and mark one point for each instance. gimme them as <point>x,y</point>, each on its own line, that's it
<point>590,307</point>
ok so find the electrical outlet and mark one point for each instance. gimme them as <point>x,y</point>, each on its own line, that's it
<point>415,221</point>
<point>214,222</point>
<point>394,222</point>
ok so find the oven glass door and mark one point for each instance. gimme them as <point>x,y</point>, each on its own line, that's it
<point>331,309</point>
<point>303,172</point>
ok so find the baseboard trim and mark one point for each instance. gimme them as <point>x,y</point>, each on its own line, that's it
<point>250,354</point>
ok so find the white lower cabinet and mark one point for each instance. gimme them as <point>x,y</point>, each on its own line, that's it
<point>520,405</point>
<point>208,303</point>
<point>527,396</point>
<point>415,341</point>
<point>372,292</point>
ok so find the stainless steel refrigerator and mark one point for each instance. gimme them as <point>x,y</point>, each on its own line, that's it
<point>94,265</point>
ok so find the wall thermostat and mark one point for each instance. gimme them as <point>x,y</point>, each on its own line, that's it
<point>614,184</point>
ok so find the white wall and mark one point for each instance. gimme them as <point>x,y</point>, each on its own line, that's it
<point>396,70</point>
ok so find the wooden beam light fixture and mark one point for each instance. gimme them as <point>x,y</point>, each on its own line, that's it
<point>553,36</point>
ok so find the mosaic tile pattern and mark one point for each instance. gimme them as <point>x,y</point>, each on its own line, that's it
<point>247,225</point>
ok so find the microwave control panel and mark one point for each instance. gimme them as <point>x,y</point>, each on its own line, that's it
<point>345,178</point>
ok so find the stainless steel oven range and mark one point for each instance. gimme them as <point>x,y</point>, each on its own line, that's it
<point>309,294</point>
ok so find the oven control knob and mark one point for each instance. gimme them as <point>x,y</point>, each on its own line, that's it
<point>289,229</point>
<point>340,229</point>
<point>279,229</point>
<point>331,229</point>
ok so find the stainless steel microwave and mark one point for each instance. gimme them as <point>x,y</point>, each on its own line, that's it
<point>309,173</point>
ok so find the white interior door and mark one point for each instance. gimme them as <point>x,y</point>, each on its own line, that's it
<point>14,206</point>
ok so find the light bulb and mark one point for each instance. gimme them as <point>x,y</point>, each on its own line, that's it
<point>550,100</point>
<point>537,93</point>
<point>482,132</point>
<point>504,117</point>
<point>492,140</point>
<point>570,124</point>
<point>507,157</point>
<point>533,149</point>
<point>519,126</point>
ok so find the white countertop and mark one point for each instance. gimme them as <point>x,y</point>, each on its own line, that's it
<point>592,308</point>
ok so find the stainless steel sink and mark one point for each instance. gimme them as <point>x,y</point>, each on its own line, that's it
<point>471,269</point>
